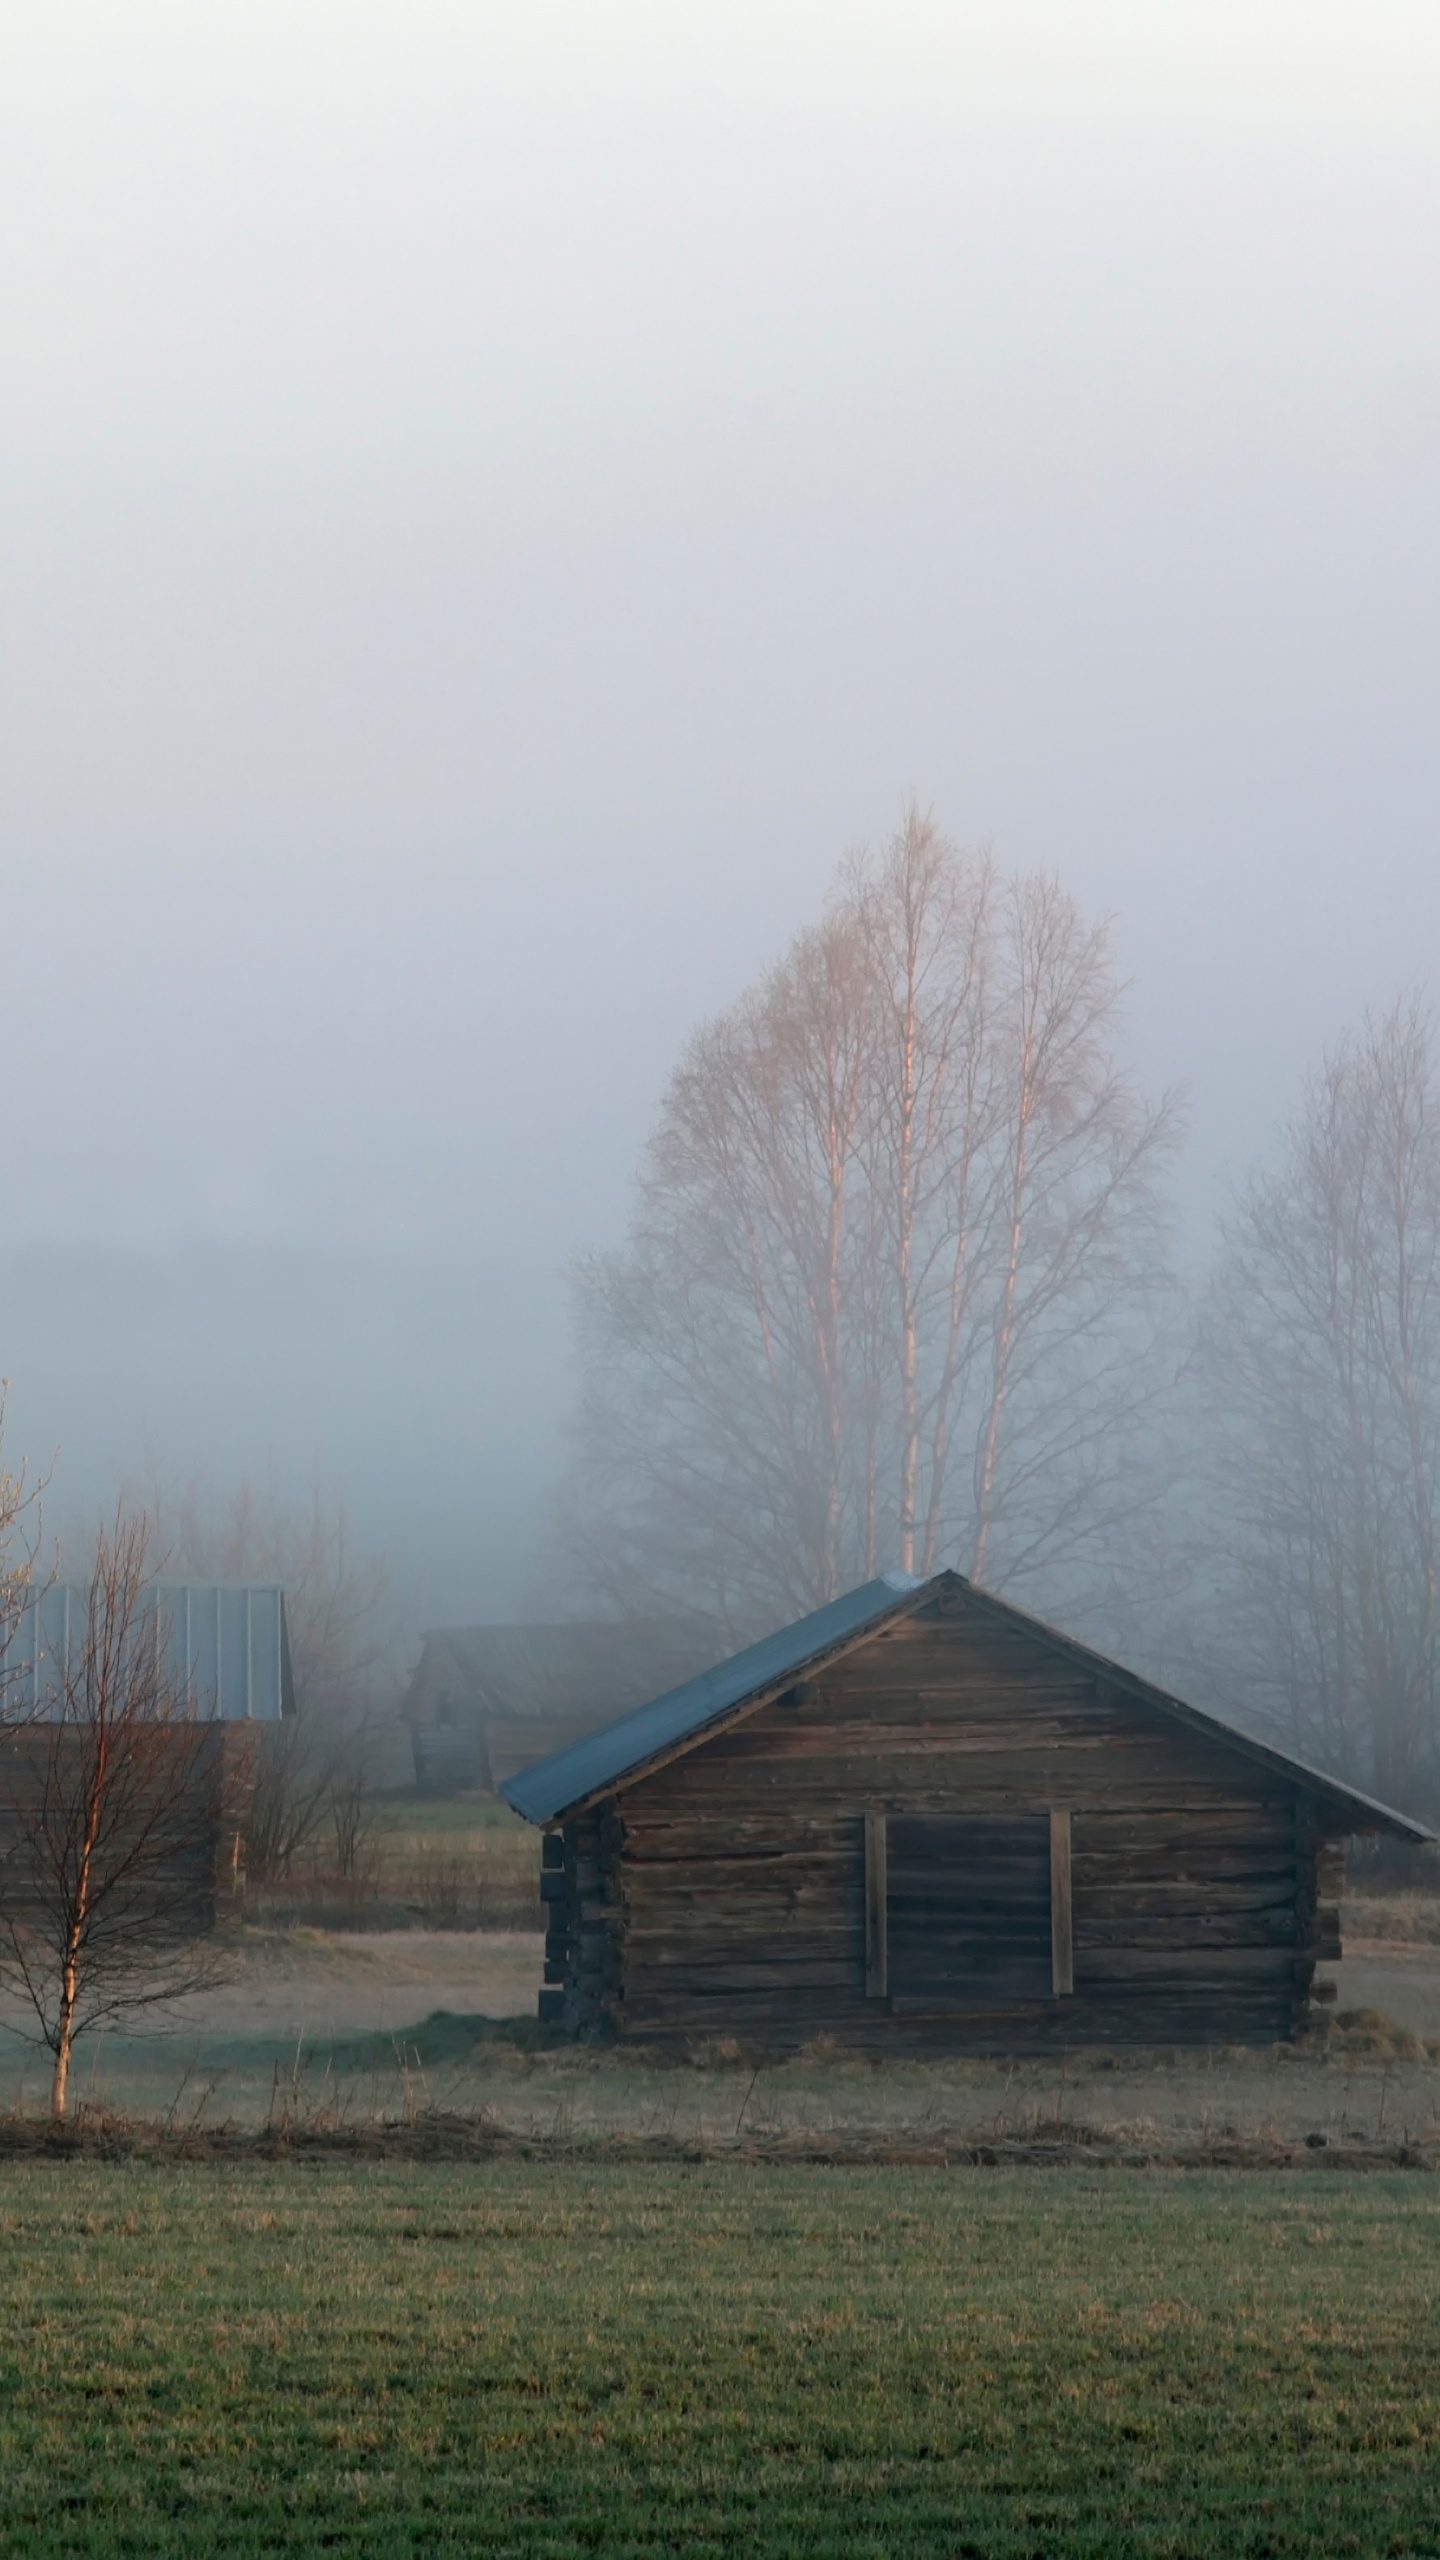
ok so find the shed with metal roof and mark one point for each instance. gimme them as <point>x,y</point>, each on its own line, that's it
<point>921,1819</point>
<point>212,1655</point>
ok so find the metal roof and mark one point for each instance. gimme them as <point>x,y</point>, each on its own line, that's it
<point>550,1787</point>
<point>569,1779</point>
<point>226,1646</point>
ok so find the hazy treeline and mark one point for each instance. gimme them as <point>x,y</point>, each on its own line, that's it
<point>343,1611</point>
<point>1320,1351</point>
<point>900,1287</point>
<point>897,1286</point>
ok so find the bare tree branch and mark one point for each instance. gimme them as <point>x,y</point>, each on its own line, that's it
<point>345,1626</point>
<point>896,1287</point>
<point>1323,1356</point>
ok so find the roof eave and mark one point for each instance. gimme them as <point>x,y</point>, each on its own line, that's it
<point>1349,1806</point>
<point>903,1604</point>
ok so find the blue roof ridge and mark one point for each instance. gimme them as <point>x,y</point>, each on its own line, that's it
<point>646,1735</point>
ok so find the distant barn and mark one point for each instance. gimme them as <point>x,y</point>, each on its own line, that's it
<point>225,1649</point>
<point>921,1820</point>
<point>485,1701</point>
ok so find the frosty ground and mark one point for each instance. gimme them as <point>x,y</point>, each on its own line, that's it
<point>387,2023</point>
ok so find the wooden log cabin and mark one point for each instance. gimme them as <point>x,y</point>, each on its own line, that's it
<point>921,1820</point>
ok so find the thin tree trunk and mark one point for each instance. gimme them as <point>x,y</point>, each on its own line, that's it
<point>834,1365</point>
<point>78,1923</point>
<point>60,2078</point>
<point>940,1436</point>
<point>1004,1330</point>
<point>909,1417</point>
<point>1422,1682</point>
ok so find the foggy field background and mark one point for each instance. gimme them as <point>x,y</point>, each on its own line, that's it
<point>428,1394</point>
<point>496,503</point>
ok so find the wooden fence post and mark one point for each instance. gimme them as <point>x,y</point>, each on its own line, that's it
<point>877,1947</point>
<point>1062,1926</point>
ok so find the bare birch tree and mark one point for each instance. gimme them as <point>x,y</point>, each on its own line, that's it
<point>894,1286</point>
<point>114,1795</point>
<point>926,921</point>
<point>1324,1369</point>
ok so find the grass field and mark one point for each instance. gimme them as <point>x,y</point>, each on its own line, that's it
<point>554,2360</point>
<point>423,1861</point>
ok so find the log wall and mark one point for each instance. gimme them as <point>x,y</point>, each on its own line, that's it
<point>724,1895</point>
<point>192,1874</point>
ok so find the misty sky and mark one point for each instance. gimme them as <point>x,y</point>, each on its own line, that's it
<point>495,499</point>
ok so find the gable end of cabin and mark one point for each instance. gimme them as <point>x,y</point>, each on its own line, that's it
<point>956,1836</point>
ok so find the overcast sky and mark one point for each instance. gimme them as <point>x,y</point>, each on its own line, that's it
<point>495,499</point>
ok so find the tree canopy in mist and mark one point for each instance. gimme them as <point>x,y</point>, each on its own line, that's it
<point>1323,1393</point>
<point>896,1289</point>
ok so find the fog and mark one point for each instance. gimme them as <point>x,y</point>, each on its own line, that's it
<point>497,499</point>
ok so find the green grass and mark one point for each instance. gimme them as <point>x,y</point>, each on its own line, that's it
<point>405,1815</point>
<point>527,2360</point>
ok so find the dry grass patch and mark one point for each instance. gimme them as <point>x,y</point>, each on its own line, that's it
<point>1400,1919</point>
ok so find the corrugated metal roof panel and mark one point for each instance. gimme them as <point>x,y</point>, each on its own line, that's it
<point>226,1647</point>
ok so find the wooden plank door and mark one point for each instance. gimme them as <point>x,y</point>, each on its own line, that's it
<point>969,1910</point>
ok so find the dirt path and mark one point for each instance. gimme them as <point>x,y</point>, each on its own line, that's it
<point>310,1982</point>
<point>321,1983</point>
<point>314,1982</point>
<point>1403,1982</point>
